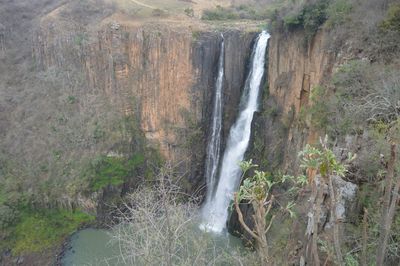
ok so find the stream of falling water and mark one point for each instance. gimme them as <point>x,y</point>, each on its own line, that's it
<point>214,143</point>
<point>215,210</point>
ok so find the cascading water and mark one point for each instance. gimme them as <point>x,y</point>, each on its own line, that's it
<point>213,148</point>
<point>215,211</point>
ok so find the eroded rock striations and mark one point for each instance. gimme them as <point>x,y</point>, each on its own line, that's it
<point>294,69</point>
<point>163,76</point>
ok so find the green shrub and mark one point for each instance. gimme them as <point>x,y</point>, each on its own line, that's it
<point>392,20</point>
<point>318,113</point>
<point>189,12</point>
<point>196,35</point>
<point>293,21</point>
<point>314,16</point>
<point>350,260</point>
<point>338,12</point>
<point>350,77</point>
<point>354,100</point>
<point>71,99</point>
<point>113,170</point>
<point>80,39</point>
<point>7,216</point>
<point>361,100</point>
<point>109,171</point>
<point>319,109</point>
<point>98,133</point>
<point>310,18</point>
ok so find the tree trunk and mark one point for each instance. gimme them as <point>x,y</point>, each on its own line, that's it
<point>336,236</point>
<point>364,239</point>
<point>262,244</point>
<point>389,206</point>
<point>260,227</point>
<point>317,214</point>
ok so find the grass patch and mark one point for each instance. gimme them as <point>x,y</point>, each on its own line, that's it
<point>39,230</point>
<point>250,12</point>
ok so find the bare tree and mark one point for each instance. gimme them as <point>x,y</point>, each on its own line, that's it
<point>158,225</point>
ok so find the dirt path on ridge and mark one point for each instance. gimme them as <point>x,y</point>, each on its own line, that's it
<point>143,4</point>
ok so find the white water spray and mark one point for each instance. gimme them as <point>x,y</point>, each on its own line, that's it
<point>215,210</point>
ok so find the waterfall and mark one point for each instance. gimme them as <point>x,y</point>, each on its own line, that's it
<point>214,143</point>
<point>215,212</point>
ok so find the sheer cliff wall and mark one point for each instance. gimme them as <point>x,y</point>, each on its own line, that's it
<point>294,70</point>
<point>162,76</point>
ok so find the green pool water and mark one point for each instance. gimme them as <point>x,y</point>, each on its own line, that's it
<point>91,247</point>
<point>96,247</point>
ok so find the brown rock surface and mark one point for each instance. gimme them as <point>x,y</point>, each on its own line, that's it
<point>162,75</point>
<point>294,69</point>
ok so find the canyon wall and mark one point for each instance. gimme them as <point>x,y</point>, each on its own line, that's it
<point>294,69</point>
<point>163,76</point>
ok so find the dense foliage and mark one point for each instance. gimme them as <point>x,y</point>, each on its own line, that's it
<point>107,170</point>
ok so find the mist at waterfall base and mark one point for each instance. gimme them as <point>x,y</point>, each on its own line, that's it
<point>215,209</point>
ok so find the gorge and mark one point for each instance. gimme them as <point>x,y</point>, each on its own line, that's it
<point>215,210</point>
<point>102,99</point>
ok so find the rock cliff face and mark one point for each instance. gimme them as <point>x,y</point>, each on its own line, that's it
<point>161,75</point>
<point>293,71</point>
<point>164,77</point>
